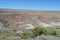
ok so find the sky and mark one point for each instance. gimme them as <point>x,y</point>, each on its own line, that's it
<point>31,4</point>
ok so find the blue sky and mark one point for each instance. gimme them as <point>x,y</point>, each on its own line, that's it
<point>31,4</point>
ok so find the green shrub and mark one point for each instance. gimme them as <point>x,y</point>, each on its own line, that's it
<point>26,34</point>
<point>38,31</point>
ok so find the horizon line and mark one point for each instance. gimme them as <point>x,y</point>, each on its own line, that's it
<point>31,9</point>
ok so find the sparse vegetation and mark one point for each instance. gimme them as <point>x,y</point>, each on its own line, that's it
<point>14,23</point>
<point>11,34</point>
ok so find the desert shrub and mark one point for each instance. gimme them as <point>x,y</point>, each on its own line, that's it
<point>26,34</point>
<point>57,34</point>
<point>45,32</point>
<point>14,30</point>
<point>38,31</point>
<point>54,33</point>
<point>49,31</point>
